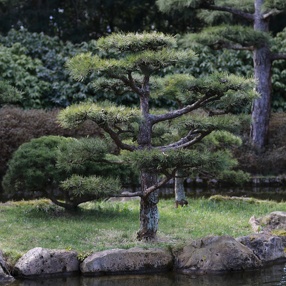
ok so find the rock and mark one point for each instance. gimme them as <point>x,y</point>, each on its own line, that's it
<point>266,247</point>
<point>215,254</point>
<point>273,222</point>
<point>121,261</point>
<point>5,276</point>
<point>40,262</point>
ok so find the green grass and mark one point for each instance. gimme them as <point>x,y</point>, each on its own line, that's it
<point>106,225</point>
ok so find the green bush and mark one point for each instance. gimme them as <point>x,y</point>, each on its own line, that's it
<point>33,167</point>
<point>18,126</point>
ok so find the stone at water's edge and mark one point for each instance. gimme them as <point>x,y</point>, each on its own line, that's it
<point>268,223</point>
<point>40,262</point>
<point>215,254</point>
<point>5,277</point>
<point>267,248</point>
<point>124,261</point>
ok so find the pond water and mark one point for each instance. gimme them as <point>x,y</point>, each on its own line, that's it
<point>265,193</point>
<point>274,275</point>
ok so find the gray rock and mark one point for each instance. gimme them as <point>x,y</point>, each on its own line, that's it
<point>266,247</point>
<point>215,254</point>
<point>275,221</point>
<point>121,261</point>
<point>40,262</point>
<point>5,276</point>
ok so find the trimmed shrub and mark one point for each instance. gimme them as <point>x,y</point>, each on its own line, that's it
<point>18,126</point>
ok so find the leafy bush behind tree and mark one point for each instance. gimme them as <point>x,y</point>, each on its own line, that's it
<point>35,64</point>
<point>18,126</point>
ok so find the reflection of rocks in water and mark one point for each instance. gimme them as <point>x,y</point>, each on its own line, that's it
<point>129,280</point>
<point>274,275</point>
<point>50,281</point>
<point>269,276</point>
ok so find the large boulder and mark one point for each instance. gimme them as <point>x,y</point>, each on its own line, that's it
<point>215,254</point>
<point>127,261</point>
<point>267,248</point>
<point>5,277</point>
<point>40,262</point>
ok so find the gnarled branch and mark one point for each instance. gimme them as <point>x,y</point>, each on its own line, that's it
<point>186,141</point>
<point>237,12</point>
<point>278,56</point>
<point>273,12</point>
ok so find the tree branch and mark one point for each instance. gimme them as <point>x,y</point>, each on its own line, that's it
<point>114,136</point>
<point>186,141</point>
<point>233,11</point>
<point>159,184</point>
<point>221,44</point>
<point>128,195</point>
<point>133,85</point>
<point>179,112</point>
<point>127,81</point>
<point>278,56</point>
<point>273,12</point>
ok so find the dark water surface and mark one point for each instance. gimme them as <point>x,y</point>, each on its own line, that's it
<point>274,275</point>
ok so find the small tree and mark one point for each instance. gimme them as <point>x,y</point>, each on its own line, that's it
<point>158,142</point>
<point>34,168</point>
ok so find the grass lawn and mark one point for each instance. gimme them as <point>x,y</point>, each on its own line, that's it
<point>105,225</point>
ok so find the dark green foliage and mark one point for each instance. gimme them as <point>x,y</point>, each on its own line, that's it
<point>93,186</point>
<point>95,156</point>
<point>35,64</point>
<point>134,62</point>
<point>229,37</point>
<point>33,167</point>
<point>8,94</point>
<point>279,74</point>
<point>273,161</point>
<point>18,126</point>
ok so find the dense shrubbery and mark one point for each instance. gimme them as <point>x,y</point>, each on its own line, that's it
<point>273,160</point>
<point>34,171</point>
<point>18,126</point>
<point>35,64</point>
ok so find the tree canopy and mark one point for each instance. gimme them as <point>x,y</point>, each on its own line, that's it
<point>159,142</point>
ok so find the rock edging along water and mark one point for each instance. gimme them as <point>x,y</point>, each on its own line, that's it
<point>205,255</point>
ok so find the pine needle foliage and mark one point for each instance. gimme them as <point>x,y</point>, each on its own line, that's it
<point>97,187</point>
<point>103,113</point>
<point>131,42</point>
<point>220,37</point>
<point>157,143</point>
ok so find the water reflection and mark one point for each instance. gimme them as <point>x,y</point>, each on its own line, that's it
<point>275,275</point>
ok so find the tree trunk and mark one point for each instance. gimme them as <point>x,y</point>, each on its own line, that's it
<point>262,72</point>
<point>180,196</point>
<point>149,215</point>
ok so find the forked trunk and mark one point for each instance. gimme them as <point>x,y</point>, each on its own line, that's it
<point>149,215</point>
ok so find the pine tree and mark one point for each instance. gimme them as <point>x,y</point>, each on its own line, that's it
<point>158,143</point>
<point>251,33</point>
